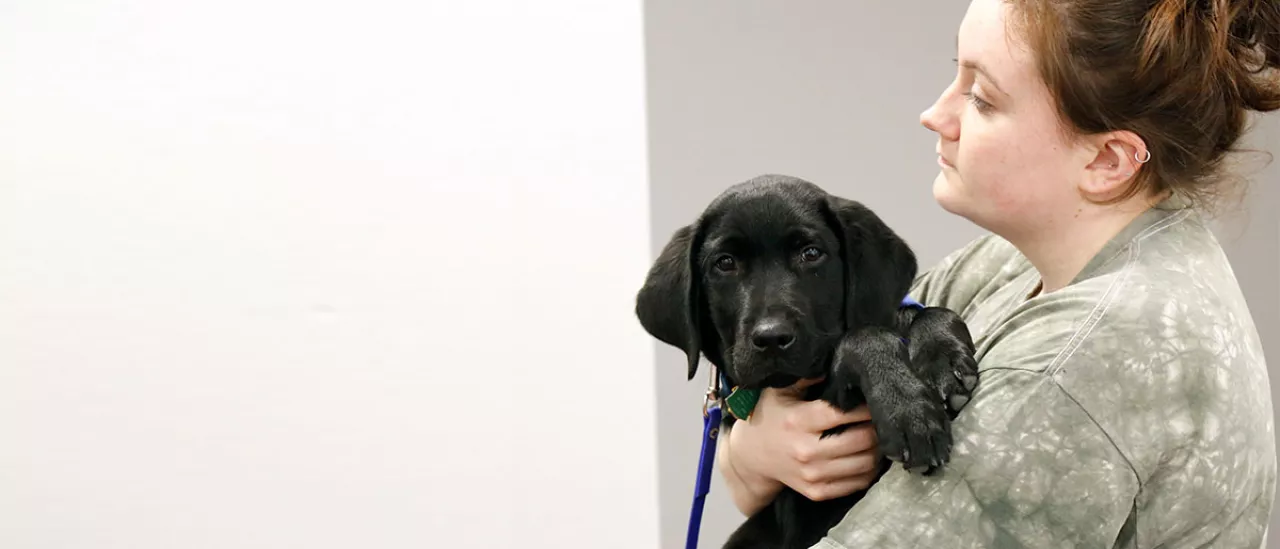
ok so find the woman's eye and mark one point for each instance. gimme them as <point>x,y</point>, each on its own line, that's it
<point>726,264</point>
<point>811,254</point>
<point>978,103</point>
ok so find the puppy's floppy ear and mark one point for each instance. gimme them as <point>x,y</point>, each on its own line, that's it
<point>879,267</point>
<point>669,305</point>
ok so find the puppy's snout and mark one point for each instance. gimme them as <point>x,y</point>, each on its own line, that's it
<point>773,334</point>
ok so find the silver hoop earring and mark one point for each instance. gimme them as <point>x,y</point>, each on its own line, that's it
<point>1143,160</point>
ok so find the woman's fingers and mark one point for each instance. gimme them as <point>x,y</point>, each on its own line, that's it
<point>838,477</point>
<point>817,416</point>
<point>841,468</point>
<point>814,454</point>
<point>805,383</point>
<point>859,414</point>
<point>855,439</point>
<point>856,465</point>
<point>795,390</point>
<point>821,492</point>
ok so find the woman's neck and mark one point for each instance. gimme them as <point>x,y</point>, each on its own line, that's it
<point>1059,251</point>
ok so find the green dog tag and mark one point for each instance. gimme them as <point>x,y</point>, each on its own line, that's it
<point>741,402</point>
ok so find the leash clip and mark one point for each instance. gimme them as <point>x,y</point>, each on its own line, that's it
<point>712,397</point>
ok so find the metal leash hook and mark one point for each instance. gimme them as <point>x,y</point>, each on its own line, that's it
<point>713,390</point>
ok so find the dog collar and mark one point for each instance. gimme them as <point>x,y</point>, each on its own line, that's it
<point>741,402</point>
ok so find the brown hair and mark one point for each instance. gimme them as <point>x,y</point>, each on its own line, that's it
<point>1182,74</point>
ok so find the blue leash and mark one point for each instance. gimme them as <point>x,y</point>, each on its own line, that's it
<point>710,430</point>
<point>711,415</point>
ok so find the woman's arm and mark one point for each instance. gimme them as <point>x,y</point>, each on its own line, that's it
<point>781,445</point>
<point>1030,468</point>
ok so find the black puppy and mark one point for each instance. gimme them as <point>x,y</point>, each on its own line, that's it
<point>777,281</point>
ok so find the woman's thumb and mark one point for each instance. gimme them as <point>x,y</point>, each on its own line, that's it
<point>807,382</point>
<point>796,389</point>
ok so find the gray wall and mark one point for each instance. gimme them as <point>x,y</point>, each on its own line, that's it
<point>832,92</point>
<point>1250,232</point>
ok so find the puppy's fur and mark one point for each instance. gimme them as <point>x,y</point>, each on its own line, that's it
<point>777,281</point>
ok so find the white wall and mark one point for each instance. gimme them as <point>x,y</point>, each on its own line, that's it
<point>278,273</point>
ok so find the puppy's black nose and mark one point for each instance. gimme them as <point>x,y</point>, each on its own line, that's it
<point>773,333</point>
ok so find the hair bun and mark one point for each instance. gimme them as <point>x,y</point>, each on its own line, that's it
<point>1235,43</point>
<point>1253,49</point>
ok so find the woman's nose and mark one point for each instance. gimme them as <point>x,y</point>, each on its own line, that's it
<point>929,118</point>
<point>941,118</point>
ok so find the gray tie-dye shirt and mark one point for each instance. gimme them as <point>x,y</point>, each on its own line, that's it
<point>1130,409</point>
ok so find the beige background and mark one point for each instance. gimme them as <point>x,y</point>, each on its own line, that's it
<point>832,92</point>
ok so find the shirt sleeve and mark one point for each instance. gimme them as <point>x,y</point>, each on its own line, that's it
<point>1032,470</point>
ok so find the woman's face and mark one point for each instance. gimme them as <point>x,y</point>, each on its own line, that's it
<point>1006,166</point>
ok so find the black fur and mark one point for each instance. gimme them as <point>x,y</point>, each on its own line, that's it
<point>777,281</point>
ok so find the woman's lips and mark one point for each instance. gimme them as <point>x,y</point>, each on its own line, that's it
<point>942,161</point>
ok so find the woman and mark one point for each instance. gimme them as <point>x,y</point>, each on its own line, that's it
<point>1123,399</point>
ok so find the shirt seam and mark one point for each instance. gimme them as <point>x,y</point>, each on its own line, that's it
<point>1149,231</point>
<point>1095,316</point>
<point>1108,297</point>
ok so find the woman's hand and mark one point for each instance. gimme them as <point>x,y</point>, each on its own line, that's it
<point>781,444</point>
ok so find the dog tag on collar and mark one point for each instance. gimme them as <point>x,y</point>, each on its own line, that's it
<point>741,402</point>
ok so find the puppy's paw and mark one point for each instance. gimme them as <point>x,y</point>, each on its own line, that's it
<point>911,422</point>
<point>952,372</point>
<point>913,426</point>
<point>942,354</point>
<point>919,439</point>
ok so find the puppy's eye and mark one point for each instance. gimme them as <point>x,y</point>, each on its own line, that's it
<point>811,254</point>
<point>726,264</point>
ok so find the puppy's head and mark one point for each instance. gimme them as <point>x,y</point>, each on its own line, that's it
<point>770,276</point>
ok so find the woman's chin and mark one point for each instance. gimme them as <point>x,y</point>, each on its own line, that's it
<point>947,193</point>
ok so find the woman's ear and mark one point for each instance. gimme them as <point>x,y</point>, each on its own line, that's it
<point>1117,157</point>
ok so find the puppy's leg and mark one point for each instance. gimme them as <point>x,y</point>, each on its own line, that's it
<point>911,423</point>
